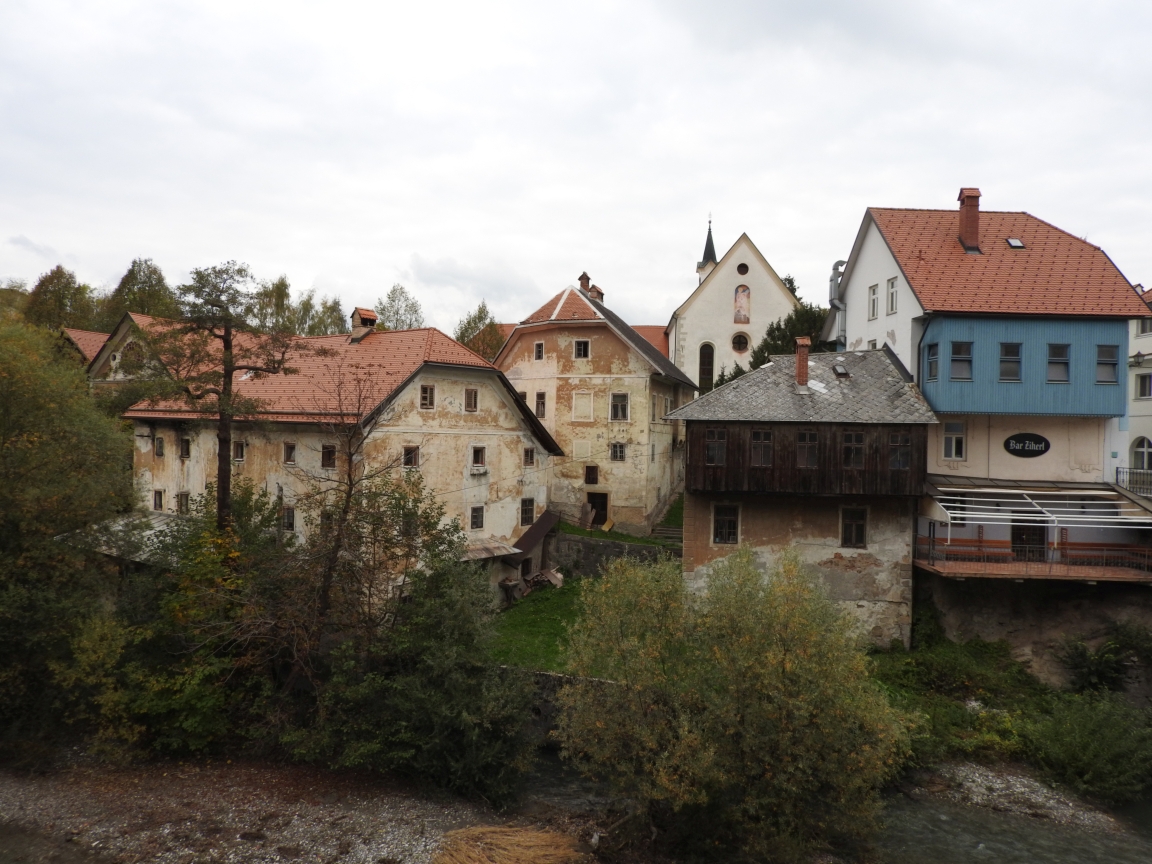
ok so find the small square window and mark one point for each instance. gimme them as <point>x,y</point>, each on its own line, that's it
<point>854,450</point>
<point>183,502</point>
<point>761,448</point>
<point>158,500</point>
<point>871,344</point>
<point>288,519</point>
<point>479,455</point>
<point>427,396</point>
<point>289,454</point>
<point>476,518</point>
<point>1010,361</point>
<point>237,451</point>
<point>807,448</point>
<point>1107,364</point>
<point>725,524</point>
<point>933,358</point>
<point>159,446</point>
<point>582,349</point>
<point>715,446</point>
<point>854,527</point>
<point>327,455</point>
<point>185,448</point>
<point>954,446</point>
<point>529,457</point>
<point>961,367</point>
<point>591,475</point>
<point>617,452</point>
<point>619,406</point>
<point>471,399</point>
<point>1059,361</point>
<point>411,457</point>
<point>899,451</point>
<point>538,351</point>
<point>1144,386</point>
<point>527,511</point>
<point>541,405</point>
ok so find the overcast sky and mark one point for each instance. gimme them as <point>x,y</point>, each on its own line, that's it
<point>490,150</point>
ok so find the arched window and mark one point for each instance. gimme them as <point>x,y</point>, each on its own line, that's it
<point>1142,454</point>
<point>707,356</point>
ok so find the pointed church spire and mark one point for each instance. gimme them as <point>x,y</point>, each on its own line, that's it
<point>709,249</point>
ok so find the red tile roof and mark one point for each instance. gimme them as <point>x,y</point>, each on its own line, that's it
<point>1054,274</point>
<point>382,360</point>
<point>569,305</point>
<point>88,341</point>
<point>655,334</point>
<point>506,330</point>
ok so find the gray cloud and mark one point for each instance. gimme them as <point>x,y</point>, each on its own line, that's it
<point>37,249</point>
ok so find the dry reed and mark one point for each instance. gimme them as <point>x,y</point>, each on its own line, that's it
<point>507,845</point>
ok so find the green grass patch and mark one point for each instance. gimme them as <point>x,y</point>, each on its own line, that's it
<point>674,518</point>
<point>569,528</point>
<point>533,633</point>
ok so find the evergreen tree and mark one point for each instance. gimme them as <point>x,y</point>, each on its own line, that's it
<point>780,338</point>
<point>399,310</point>
<point>58,300</point>
<point>142,289</point>
<point>479,331</point>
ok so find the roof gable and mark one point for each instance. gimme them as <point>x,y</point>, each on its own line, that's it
<point>87,342</point>
<point>706,282</point>
<point>1054,273</point>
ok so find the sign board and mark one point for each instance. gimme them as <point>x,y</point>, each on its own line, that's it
<point>1027,444</point>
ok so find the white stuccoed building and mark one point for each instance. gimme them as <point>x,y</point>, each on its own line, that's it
<point>725,317</point>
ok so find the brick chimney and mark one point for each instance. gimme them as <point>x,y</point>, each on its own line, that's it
<point>803,343</point>
<point>970,219</point>
<point>584,281</point>
<point>363,323</point>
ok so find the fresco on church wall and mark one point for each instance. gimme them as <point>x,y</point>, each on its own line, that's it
<point>742,304</point>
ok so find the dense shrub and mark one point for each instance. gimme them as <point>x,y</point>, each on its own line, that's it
<point>1101,669</point>
<point>1096,743</point>
<point>745,716</point>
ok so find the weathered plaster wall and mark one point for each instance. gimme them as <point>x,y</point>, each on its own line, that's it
<point>873,584</point>
<point>584,556</point>
<point>1077,447</point>
<point>445,435</point>
<point>639,486</point>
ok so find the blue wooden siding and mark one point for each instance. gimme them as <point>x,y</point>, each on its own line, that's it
<point>987,394</point>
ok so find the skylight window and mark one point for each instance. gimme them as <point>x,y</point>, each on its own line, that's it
<point>1015,243</point>
<point>841,370</point>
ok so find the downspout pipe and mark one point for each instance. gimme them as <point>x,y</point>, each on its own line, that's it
<point>836,303</point>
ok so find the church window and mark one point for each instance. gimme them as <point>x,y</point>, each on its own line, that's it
<point>739,343</point>
<point>707,355</point>
<point>742,269</point>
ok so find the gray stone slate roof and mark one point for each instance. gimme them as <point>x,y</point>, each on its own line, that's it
<point>650,352</point>
<point>878,389</point>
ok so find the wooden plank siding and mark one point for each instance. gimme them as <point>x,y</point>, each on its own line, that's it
<point>830,477</point>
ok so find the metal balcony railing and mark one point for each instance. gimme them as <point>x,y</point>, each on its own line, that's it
<point>1138,480</point>
<point>1031,560</point>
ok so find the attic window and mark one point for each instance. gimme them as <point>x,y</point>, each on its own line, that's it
<point>841,370</point>
<point>742,269</point>
<point>1015,243</point>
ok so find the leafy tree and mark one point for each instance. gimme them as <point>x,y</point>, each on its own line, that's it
<point>272,309</point>
<point>58,300</point>
<point>790,284</point>
<point>780,337</point>
<point>399,310</point>
<point>747,713</point>
<point>479,331</point>
<point>13,296</point>
<point>63,466</point>
<point>323,318</point>
<point>142,289</point>
<point>214,340</point>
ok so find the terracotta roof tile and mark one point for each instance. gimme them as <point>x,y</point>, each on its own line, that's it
<point>655,334</point>
<point>569,305</point>
<point>1054,274</point>
<point>88,341</point>
<point>384,358</point>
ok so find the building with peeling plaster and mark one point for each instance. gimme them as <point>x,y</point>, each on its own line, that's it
<point>602,390</point>
<point>823,456</point>
<point>737,298</point>
<point>424,403</point>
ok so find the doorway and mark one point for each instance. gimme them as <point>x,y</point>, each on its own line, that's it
<point>598,501</point>
<point>1029,542</point>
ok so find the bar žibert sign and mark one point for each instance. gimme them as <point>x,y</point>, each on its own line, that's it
<point>1027,444</point>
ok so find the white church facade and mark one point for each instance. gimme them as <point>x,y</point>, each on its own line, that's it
<point>721,322</point>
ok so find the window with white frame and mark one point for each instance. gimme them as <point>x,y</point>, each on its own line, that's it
<point>1144,386</point>
<point>289,453</point>
<point>960,368</point>
<point>541,404</point>
<point>1107,364</point>
<point>873,302</point>
<point>237,451</point>
<point>891,306</point>
<point>1145,327</point>
<point>955,445</point>
<point>479,457</point>
<point>1142,454</point>
<point>619,406</point>
<point>1010,357</point>
<point>1059,361</point>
